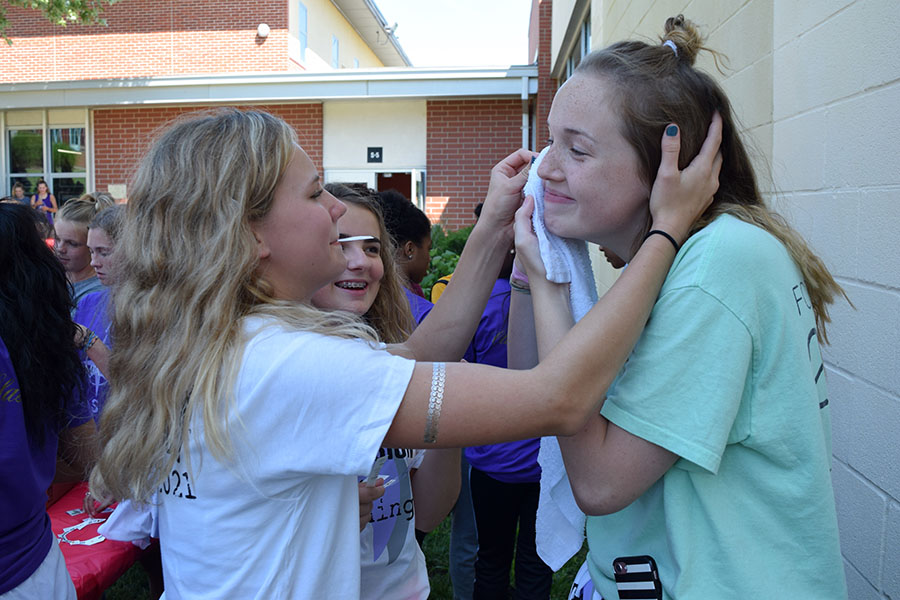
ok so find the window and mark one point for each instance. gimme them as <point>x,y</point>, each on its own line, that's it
<point>581,48</point>
<point>335,52</point>
<point>39,148</point>
<point>302,29</point>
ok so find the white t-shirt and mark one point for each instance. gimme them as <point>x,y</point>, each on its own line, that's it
<point>281,519</point>
<point>393,566</point>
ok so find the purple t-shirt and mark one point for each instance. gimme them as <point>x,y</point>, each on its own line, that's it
<point>510,462</point>
<point>26,471</point>
<point>92,313</point>
<point>420,306</point>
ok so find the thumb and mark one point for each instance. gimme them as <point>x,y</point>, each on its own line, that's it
<point>671,145</point>
<point>523,213</point>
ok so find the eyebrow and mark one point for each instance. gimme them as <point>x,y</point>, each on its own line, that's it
<point>579,132</point>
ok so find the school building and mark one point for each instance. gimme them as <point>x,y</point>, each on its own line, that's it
<point>78,104</point>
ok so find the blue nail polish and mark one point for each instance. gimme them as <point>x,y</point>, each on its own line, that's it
<point>533,158</point>
<point>672,130</point>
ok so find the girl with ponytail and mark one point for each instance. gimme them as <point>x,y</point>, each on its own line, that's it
<point>712,450</point>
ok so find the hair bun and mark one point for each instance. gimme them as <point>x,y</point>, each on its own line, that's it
<point>686,37</point>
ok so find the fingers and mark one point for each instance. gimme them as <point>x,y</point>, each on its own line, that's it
<point>516,163</point>
<point>671,146</point>
<point>367,497</point>
<point>523,217</point>
<point>713,136</point>
<point>370,493</point>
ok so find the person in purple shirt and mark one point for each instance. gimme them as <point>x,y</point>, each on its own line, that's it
<point>41,409</point>
<point>504,479</point>
<point>411,231</point>
<point>92,311</point>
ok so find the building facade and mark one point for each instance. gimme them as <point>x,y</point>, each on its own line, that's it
<point>79,104</point>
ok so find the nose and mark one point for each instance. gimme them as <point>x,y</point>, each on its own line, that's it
<point>336,208</point>
<point>356,257</point>
<point>94,262</point>
<point>549,167</point>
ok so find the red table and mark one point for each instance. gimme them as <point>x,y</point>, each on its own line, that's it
<point>93,568</point>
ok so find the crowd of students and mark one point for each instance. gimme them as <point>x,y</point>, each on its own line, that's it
<point>273,403</point>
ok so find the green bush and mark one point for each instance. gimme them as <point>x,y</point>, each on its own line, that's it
<point>445,251</point>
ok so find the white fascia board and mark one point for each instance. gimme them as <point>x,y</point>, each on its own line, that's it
<point>272,87</point>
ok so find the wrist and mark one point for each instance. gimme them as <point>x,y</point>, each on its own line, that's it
<point>678,230</point>
<point>518,273</point>
<point>664,234</point>
<point>492,238</point>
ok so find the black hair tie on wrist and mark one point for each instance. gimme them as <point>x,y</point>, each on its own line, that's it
<point>664,234</point>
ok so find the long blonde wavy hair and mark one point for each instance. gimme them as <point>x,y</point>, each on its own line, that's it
<point>188,264</point>
<point>653,86</point>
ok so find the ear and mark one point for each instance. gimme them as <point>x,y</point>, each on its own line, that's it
<point>262,249</point>
<point>408,249</point>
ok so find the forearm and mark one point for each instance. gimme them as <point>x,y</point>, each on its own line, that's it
<point>99,354</point>
<point>553,314</point>
<point>598,345</point>
<point>455,318</point>
<point>435,487</point>
<point>521,340</point>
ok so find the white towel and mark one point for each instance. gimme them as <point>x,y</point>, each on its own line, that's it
<point>560,523</point>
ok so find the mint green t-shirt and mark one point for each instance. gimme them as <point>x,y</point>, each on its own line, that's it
<point>728,375</point>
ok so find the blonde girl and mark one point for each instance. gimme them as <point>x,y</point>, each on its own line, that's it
<point>72,223</point>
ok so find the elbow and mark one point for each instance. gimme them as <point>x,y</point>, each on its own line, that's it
<point>570,415</point>
<point>598,499</point>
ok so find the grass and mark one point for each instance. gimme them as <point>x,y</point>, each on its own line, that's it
<point>133,584</point>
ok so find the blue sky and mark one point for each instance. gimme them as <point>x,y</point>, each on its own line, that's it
<point>437,33</point>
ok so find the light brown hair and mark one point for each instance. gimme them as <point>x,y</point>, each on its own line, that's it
<point>389,314</point>
<point>653,86</point>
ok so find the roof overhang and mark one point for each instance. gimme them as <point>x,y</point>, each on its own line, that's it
<point>255,88</point>
<point>371,26</point>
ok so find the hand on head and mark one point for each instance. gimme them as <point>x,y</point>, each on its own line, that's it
<point>678,198</point>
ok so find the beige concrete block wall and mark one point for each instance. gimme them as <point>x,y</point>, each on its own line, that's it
<point>817,88</point>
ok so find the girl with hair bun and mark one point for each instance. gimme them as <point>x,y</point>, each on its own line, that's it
<point>712,450</point>
<point>72,223</point>
<point>252,413</point>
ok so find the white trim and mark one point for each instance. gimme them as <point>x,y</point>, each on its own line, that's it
<point>48,154</point>
<point>89,132</point>
<point>4,165</point>
<point>273,87</point>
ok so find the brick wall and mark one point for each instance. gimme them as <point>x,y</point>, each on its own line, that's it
<point>145,38</point>
<point>465,139</point>
<point>546,85</point>
<point>122,135</point>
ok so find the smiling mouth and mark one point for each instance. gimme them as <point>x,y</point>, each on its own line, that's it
<point>557,198</point>
<point>352,285</point>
